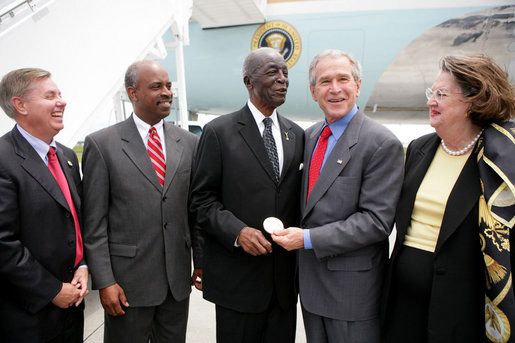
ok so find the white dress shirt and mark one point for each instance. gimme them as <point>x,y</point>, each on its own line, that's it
<point>143,129</point>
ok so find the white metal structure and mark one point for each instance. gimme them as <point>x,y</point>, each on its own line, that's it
<point>87,46</point>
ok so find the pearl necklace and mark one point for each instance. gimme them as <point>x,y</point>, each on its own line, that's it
<point>465,149</point>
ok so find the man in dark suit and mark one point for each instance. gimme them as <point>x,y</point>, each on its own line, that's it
<point>41,283</point>
<point>349,193</point>
<point>137,232</point>
<point>236,186</point>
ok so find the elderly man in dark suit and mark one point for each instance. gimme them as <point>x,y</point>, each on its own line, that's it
<point>137,232</point>
<point>248,169</point>
<point>42,275</point>
<point>353,178</point>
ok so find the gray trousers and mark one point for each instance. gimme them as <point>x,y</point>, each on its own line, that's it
<point>159,324</point>
<point>328,330</point>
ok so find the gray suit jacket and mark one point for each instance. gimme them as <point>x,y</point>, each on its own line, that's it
<point>350,214</point>
<point>137,233</point>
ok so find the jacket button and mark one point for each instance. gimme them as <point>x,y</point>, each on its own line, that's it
<point>165,225</point>
<point>71,243</point>
<point>67,215</point>
<point>164,199</point>
<point>69,269</point>
<point>440,271</point>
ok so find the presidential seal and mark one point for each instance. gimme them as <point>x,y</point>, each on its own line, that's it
<point>281,36</point>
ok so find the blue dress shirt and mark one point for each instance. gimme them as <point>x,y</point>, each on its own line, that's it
<point>337,130</point>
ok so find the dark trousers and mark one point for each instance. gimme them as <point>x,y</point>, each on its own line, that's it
<point>50,325</point>
<point>273,325</point>
<point>73,327</point>
<point>411,292</point>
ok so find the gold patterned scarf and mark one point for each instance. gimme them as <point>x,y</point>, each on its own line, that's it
<point>496,162</point>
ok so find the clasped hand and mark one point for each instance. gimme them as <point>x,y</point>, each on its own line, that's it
<point>72,293</point>
<point>254,242</point>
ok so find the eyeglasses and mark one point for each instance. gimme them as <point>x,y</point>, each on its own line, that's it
<point>438,95</point>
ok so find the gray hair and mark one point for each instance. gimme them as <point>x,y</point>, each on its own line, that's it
<point>333,53</point>
<point>17,83</point>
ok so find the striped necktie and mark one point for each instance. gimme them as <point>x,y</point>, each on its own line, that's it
<point>155,151</point>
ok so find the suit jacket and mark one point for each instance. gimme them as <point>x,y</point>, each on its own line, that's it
<point>234,187</point>
<point>137,233</point>
<point>37,239</point>
<point>350,214</point>
<point>456,310</point>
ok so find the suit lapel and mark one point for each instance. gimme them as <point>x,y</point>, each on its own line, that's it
<point>173,154</point>
<point>35,166</point>
<point>337,160</point>
<point>135,149</point>
<point>308,152</point>
<point>420,160</point>
<point>250,134</point>
<point>288,140</point>
<point>66,166</point>
<point>464,196</point>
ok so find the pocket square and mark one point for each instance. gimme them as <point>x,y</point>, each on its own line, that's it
<point>301,166</point>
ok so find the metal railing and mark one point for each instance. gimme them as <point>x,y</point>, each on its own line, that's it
<point>15,8</point>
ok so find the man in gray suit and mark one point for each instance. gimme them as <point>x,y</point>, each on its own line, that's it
<point>137,233</point>
<point>351,184</point>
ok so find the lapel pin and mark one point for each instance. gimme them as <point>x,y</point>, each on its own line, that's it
<point>301,166</point>
<point>339,161</point>
<point>70,164</point>
<point>286,135</point>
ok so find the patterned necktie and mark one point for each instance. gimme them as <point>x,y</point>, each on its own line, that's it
<point>318,158</point>
<point>155,151</point>
<point>57,172</point>
<point>270,146</point>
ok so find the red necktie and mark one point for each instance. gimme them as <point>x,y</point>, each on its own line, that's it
<point>155,151</point>
<point>57,172</point>
<point>318,158</point>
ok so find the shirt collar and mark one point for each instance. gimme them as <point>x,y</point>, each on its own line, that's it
<point>339,126</point>
<point>40,146</point>
<point>143,127</point>
<point>258,116</point>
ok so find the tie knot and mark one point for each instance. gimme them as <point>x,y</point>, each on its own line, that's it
<point>51,152</point>
<point>326,132</point>
<point>152,131</point>
<point>268,122</point>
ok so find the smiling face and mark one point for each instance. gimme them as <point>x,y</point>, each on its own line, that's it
<point>449,114</point>
<point>268,81</point>
<point>40,111</point>
<point>152,96</point>
<point>335,89</point>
